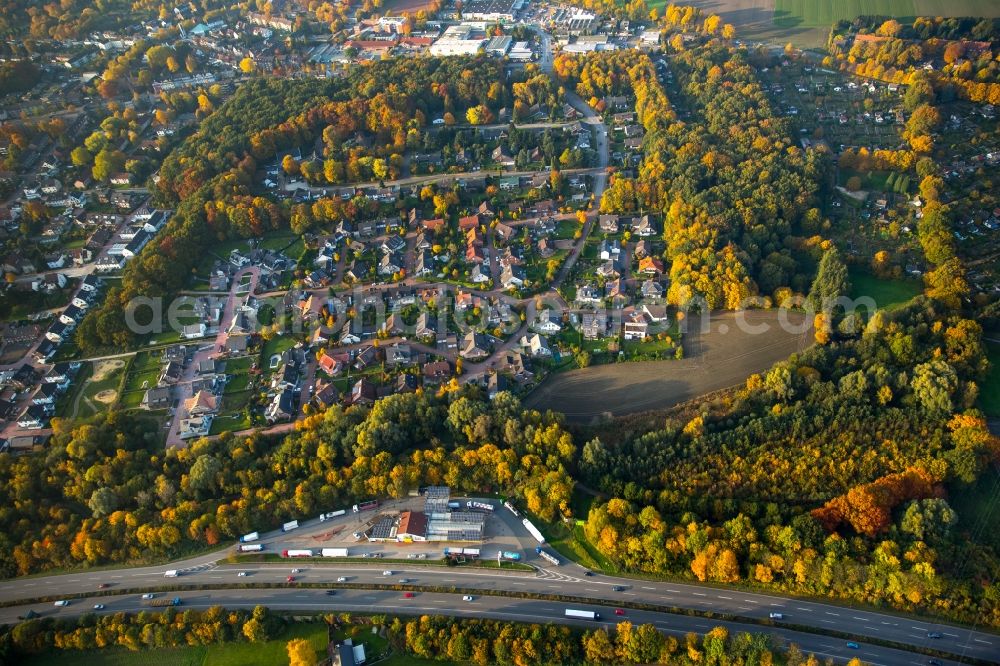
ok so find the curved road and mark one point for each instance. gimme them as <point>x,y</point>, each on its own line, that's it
<point>569,579</point>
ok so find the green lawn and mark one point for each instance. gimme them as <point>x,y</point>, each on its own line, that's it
<point>989,392</point>
<point>271,653</point>
<point>813,14</point>
<point>231,416</point>
<point>976,508</point>
<point>275,345</point>
<point>887,294</point>
<point>238,365</point>
<point>237,383</point>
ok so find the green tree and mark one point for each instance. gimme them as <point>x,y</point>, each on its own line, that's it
<point>831,281</point>
<point>929,519</point>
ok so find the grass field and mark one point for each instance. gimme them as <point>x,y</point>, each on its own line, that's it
<point>989,392</point>
<point>271,653</point>
<point>813,14</point>
<point>977,508</point>
<point>887,294</point>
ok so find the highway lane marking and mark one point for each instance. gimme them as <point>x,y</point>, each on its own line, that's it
<point>699,594</point>
<point>673,591</point>
<point>833,614</point>
<point>871,628</point>
<point>808,610</point>
<point>631,594</point>
<point>914,636</point>
<point>517,583</point>
<point>649,588</point>
<point>979,640</point>
<point>751,601</point>
<point>855,617</point>
<point>590,589</point>
<point>744,607</point>
<point>722,597</point>
<point>828,621</point>
<point>950,635</point>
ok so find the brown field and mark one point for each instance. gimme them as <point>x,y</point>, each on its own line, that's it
<point>397,7</point>
<point>724,356</point>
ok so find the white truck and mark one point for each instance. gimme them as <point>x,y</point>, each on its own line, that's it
<point>250,547</point>
<point>323,517</point>
<point>334,552</point>
<point>583,614</point>
<point>172,573</point>
<point>253,536</point>
<point>290,525</point>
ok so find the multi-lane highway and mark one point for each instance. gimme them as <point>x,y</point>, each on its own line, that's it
<point>519,610</point>
<point>567,580</point>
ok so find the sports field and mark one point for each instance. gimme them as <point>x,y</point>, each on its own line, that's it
<point>813,14</point>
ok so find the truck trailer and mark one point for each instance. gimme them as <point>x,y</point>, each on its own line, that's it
<point>583,614</point>
<point>290,525</point>
<point>250,547</point>
<point>165,601</point>
<point>334,552</point>
<point>297,552</point>
<point>253,536</point>
<point>534,531</point>
<point>548,556</point>
<point>323,517</point>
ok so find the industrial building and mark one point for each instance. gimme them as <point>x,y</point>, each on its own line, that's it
<point>441,520</point>
<point>459,40</point>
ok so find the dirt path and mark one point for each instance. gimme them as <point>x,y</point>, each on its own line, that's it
<point>723,357</point>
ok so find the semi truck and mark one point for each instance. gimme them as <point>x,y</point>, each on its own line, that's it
<point>548,556</point>
<point>165,601</point>
<point>250,547</point>
<point>297,552</point>
<point>171,573</point>
<point>246,538</point>
<point>290,525</point>
<point>583,614</point>
<point>534,531</point>
<point>479,506</point>
<point>510,507</point>
<point>331,515</point>
<point>366,506</point>
<point>334,552</point>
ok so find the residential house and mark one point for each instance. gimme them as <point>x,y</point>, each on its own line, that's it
<point>588,295</point>
<point>436,372</point>
<point>535,345</point>
<point>191,331</point>
<point>426,326</point>
<point>594,325</point>
<point>158,397</point>
<point>362,393</point>
<point>495,384</point>
<point>642,249</point>
<point>406,383</point>
<point>398,355</point>
<point>326,395</point>
<point>502,157</point>
<point>281,407</point>
<point>513,277</point>
<point>475,345</point>
<point>547,322</point>
<point>514,364</point>
<point>651,290</point>
<point>201,403</point>
<point>645,227</point>
<point>608,223</point>
<point>478,275</point>
<point>504,232</point>
<point>468,222</point>
<point>635,326</point>
<point>651,266</point>
<point>390,264</point>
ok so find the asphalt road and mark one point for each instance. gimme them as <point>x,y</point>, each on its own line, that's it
<point>569,579</point>
<point>519,610</point>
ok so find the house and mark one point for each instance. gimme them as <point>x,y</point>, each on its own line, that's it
<point>594,325</point>
<point>198,426</point>
<point>635,326</point>
<point>34,417</point>
<point>191,331</point>
<point>608,223</point>
<point>412,526</point>
<point>331,365</point>
<point>514,364</point>
<point>468,222</point>
<point>433,225</point>
<point>362,393</point>
<point>609,249</point>
<point>501,157</point>
<point>651,266</point>
<point>201,403</point>
<point>645,227</point>
<point>426,326</point>
<point>475,345</point>
<point>535,345</point>
<point>46,394</point>
<point>406,383</point>
<point>486,211</point>
<point>57,332</point>
<point>513,277</point>
<point>588,294</point>
<point>651,290</point>
<point>495,384</point>
<point>609,269</point>
<point>547,322</point>
<point>504,232</point>
<point>642,249</point>
<point>326,395</point>
<point>545,249</point>
<point>158,397</point>
<point>365,357</point>
<point>398,354</point>
<point>236,344</point>
<point>282,407</point>
<point>390,264</point>
<point>436,372</point>
<point>393,245</point>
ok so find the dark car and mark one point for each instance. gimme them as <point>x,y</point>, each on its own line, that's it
<point>617,588</point>
<point>103,586</point>
<point>330,593</point>
<point>588,573</point>
<point>933,634</point>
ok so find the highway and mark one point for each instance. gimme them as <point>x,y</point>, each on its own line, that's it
<point>518,610</point>
<point>569,579</point>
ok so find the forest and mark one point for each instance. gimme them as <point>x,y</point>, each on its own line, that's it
<point>828,475</point>
<point>732,185</point>
<point>105,491</point>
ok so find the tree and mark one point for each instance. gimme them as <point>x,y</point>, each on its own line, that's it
<point>300,653</point>
<point>831,281</point>
<point>247,65</point>
<point>107,163</point>
<point>81,156</point>
<point>933,385</point>
<point>928,519</point>
<point>103,501</point>
<point>854,183</point>
<point>203,472</point>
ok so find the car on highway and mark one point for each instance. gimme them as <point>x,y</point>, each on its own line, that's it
<point>242,573</point>
<point>331,593</point>
<point>148,595</point>
<point>853,645</point>
<point>408,595</point>
<point>933,634</point>
<point>61,603</point>
<point>290,579</point>
<point>98,606</point>
<point>588,573</point>
<point>776,616</point>
<point>617,588</point>
<point>342,579</point>
<point>404,580</point>
<point>619,611</point>
<point>103,586</point>
<point>411,556</point>
<point>295,571</point>
<point>387,572</point>
<point>933,662</point>
<point>467,597</point>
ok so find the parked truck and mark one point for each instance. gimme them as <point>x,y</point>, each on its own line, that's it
<point>334,552</point>
<point>548,556</point>
<point>323,517</point>
<point>479,506</point>
<point>366,506</point>
<point>250,547</point>
<point>171,573</point>
<point>246,538</point>
<point>165,601</point>
<point>290,525</point>
<point>297,552</point>
<point>534,531</point>
<point>583,614</point>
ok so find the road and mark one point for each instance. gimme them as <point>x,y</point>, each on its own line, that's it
<point>569,579</point>
<point>503,608</point>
